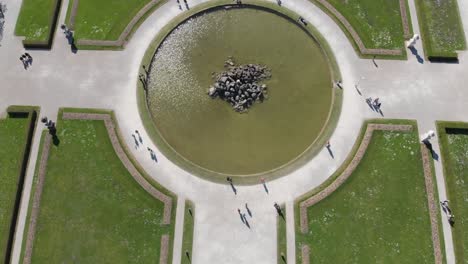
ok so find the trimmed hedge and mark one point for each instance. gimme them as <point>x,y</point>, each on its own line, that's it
<point>31,114</point>
<point>444,128</point>
<point>46,43</point>
<point>431,53</point>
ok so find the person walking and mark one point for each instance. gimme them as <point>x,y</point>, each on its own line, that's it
<point>240,215</point>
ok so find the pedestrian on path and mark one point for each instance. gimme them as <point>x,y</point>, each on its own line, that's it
<point>229,180</point>
<point>278,210</point>
<point>136,141</point>
<point>144,67</point>
<point>139,136</point>
<point>375,63</point>
<point>328,146</point>
<point>262,181</point>
<point>245,221</point>
<point>248,210</point>
<point>152,154</point>
<point>241,216</point>
<point>24,60</point>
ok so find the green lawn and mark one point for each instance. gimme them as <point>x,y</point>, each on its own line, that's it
<point>92,210</point>
<point>105,19</point>
<point>35,19</point>
<point>441,27</point>
<point>454,148</point>
<point>378,22</point>
<point>380,214</point>
<point>187,242</point>
<point>13,136</point>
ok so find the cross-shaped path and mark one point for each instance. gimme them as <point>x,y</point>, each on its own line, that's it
<point>107,79</point>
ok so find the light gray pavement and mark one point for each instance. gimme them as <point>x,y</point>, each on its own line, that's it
<point>290,232</point>
<point>179,230</point>
<point>107,79</point>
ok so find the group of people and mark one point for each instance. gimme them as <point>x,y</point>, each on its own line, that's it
<point>242,215</point>
<point>68,34</point>
<point>186,4</point>
<point>374,103</point>
<point>50,125</point>
<point>139,141</point>
<point>26,59</point>
<point>448,211</point>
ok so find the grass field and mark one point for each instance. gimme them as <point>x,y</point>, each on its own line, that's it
<point>34,21</point>
<point>104,20</point>
<point>13,136</point>
<point>380,214</point>
<point>92,210</point>
<point>378,22</point>
<point>441,27</point>
<point>454,148</point>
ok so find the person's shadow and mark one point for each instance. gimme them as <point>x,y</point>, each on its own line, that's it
<point>55,140</point>
<point>330,152</point>
<point>428,145</point>
<point>233,188</point>
<point>414,51</point>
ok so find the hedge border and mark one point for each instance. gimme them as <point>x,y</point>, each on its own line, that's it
<point>442,134</point>
<point>354,37</point>
<point>430,54</point>
<point>32,113</point>
<point>45,44</point>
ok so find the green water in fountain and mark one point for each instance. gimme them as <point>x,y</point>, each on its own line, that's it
<point>208,132</point>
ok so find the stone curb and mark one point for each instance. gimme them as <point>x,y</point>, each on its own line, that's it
<point>111,130</point>
<point>330,8</point>
<point>347,172</point>
<point>121,41</point>
<point>433,206</point>
<point>164,253</point>
<point>37,199</point>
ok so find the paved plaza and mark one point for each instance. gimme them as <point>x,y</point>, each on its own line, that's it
<point>408,89</point>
